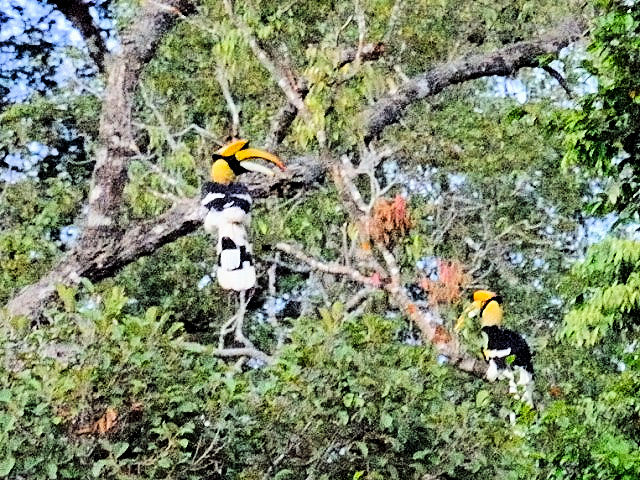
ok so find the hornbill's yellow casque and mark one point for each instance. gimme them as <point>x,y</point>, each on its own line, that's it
<point>229,204</point>
<point>505,350</point>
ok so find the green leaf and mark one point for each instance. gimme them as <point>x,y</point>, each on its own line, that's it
<point>5,395</point>
<point>120,448</point>
<point>347,400</point>
<point>386,420</point>
<point>6,465</point>
<point>283,474</point>
<point>52,470</point>
<point>337,311</point>
<point>68,297</point>
<point>420,454</point>
<point>97,467</point>
<point>483,398</point>
<point>343,417</point>
<point>364,449</point>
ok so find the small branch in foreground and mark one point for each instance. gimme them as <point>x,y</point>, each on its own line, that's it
<point>559,78</point>
<point>226,352</point>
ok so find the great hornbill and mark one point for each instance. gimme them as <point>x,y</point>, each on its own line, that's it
<point>505,350</point>
<point>229,205</point>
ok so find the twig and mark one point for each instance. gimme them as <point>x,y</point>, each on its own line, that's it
<point>223,80</point>
<point>327,267</point>
<point>358,298</point>
<point>559,78</point>
<point>269,64</point>
<point>393,19</point>
<point>159,118</point>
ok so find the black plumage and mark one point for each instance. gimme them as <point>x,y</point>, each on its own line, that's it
<point>244,255</point>
<point>222,196</point>
<point>503,338</point>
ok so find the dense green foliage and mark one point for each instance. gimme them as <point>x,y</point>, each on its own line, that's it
<point>346,399</point>
<point>603,134</point>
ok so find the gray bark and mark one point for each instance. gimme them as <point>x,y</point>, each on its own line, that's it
<point>103,253</point>
<point>77,12</point>
<point>505,61</point>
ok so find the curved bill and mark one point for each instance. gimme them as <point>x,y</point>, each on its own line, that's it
<point>483,295</point>
<point>256,153</point>
<point>471,311</point>
<point>232,147</point>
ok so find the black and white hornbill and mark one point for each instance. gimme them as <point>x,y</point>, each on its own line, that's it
<point>228,207</point>
<point>505,350</point>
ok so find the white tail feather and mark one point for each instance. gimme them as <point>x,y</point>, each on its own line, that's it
<point>239,280</point>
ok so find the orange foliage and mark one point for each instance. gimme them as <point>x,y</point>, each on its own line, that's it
<point>441,335</point>
<point>390,220</point>
<point>103,425</point>
<point>448,287</point>
<point>555,391</point>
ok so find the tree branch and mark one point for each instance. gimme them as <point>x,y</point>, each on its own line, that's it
<point>102,255</point>
<point>504,61</point>
<point>288,113</point>
<point>139,43</point>
<point>77,12</point>
<point>559,78</point>
<point>428,323</point>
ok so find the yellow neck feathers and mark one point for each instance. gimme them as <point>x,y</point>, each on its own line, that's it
<point>221,172</point>
<point>491,314</point>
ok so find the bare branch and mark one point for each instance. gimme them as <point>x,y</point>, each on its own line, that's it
<point>427,321</point>
<point>327,267</point>
<point>559,78</point>
<point>288,113</point>
<point>77,12</point>
<point>504,61</point>
<point>276,71</point>
<point>223,80</point>
<point>160,119</point>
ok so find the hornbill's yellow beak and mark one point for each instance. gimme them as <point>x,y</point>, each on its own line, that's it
<point>227,166</point>
<point>470,311</point>
<point>242,155</point>
<point>232,147</point>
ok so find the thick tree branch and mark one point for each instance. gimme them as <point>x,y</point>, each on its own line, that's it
<point>505,61</point>
<point>77,12</point>
<point>139,43</point>
<point>103,254</point>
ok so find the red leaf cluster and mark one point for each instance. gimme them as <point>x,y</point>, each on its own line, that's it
<point>448,288</point>
<point>390,220</point>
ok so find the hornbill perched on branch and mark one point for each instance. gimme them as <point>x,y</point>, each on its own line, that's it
<point>505,350</point>
<point>229,204</point>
